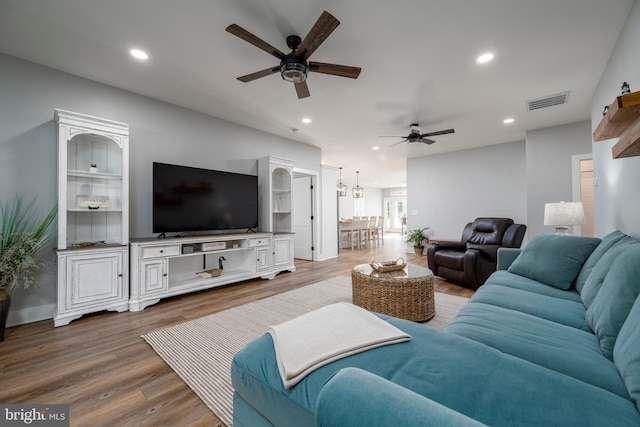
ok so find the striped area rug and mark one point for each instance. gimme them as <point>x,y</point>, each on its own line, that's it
<point>200,351</point>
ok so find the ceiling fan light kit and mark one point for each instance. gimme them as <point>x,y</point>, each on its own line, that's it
<point>294,66</point>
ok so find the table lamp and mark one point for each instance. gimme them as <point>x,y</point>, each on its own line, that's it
<point>564,215</point>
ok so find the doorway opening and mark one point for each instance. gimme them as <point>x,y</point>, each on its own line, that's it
<point>395,214</point>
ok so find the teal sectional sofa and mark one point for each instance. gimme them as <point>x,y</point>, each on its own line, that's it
<point>552,338</point>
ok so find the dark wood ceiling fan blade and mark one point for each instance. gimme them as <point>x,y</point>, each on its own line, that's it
<point>302,90</point>
<point>245,35</point>
<point>335,69</point>
<point>258,74</point>
<point>399,142</point>
<point>440,132</point>
<point>322,29</point>
<point>427,141</point>
<point>391,136</point>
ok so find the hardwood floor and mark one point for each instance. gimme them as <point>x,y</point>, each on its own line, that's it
<point>109,376</point>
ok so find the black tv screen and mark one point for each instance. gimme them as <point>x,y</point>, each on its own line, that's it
<point>193,199</point>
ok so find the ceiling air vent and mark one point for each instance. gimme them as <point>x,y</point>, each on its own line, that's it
<point>547,101</point>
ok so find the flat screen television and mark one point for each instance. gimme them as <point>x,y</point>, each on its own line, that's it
<point>188,199</point>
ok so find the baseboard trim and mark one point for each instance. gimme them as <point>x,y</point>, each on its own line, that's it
<point>30,314</point>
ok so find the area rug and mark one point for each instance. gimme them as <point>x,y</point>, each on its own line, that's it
<point>200,351</point>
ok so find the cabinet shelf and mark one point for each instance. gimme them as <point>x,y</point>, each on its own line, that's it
<point>85,174</point>
<point>87,210</point>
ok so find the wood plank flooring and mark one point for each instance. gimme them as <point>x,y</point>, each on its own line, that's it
<point>109,376</point>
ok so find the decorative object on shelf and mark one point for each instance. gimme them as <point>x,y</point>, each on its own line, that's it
<point>22,236</point>
<point>206,274</point>
<point>625,88</point>
<point>90,244</point>
<point>93,168</point>
<point>604,111</point>
<point>220,266</point>
<point>417,237</point>
<point>342,188</point>
<point>358,192</point>
<point>92,202</point>
<point>563,215</point>
<point>386,266</point>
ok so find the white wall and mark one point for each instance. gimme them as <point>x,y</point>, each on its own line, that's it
<point>549,170</point>
<point>328,213</point>
<point>451,189</point>
<point>617,194</point>
<point>158,132</point>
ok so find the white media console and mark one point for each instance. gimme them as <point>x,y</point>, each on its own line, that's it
<point>162,268</point>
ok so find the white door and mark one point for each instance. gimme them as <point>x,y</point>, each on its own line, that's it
<point>394,211</point>
<point>302,222</point>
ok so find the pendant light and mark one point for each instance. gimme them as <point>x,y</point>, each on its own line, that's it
<point>358,192</point>
<point>342,188</point>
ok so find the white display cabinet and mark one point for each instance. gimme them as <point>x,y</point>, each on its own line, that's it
<point>93,215</point>
<point>275,179</point>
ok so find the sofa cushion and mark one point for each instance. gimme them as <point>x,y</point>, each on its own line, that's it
<point>511,280</point>
<point>561,348</point>
<point>594,282</point>
<point>615,298</point>
<point>553,259</point>
<point>559,310</point>
<point>380,402</point>
<point>607,242</point>
<point>626,352</point>
<point>456,372</point>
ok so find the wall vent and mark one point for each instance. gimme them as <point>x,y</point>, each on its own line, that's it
<point>547,101</point>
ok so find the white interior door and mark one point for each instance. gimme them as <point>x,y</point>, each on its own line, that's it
<point>302,222</point>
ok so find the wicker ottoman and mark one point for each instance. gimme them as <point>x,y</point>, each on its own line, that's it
<point>407,293</point>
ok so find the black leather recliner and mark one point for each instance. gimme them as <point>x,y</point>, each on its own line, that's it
<point>471,261</point>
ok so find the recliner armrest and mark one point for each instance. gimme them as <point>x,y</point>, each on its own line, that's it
<point>449,245</point>
<point>506,256</point>
<point>356,398</point>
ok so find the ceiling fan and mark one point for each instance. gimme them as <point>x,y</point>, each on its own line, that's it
<point>294,66</point>
<point>415,137</point>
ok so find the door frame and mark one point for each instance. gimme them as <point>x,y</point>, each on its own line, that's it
<point>575,181</point>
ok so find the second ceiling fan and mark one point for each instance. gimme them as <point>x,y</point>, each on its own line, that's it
<point>294,66</point>
<point>415,137</point>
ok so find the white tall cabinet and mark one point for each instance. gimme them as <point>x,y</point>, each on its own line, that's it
<point>93,215</point>
<point>275,180</point>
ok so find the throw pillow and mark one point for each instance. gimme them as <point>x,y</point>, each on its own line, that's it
<point>626,356</point>
<point>599,272</point>
<point>554,260</point>
<point>614,300</point>
<point>607,242</point>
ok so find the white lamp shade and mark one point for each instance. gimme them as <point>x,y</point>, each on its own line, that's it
<point>564,214</point>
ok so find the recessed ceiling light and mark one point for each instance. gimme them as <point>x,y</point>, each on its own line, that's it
<point>509,120</point>
<point>484,58</point>
<point>139,54</point>
<point>375,148</point>
<point>306,120</point>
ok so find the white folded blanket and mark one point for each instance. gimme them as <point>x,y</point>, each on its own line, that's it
<point>327,334</point>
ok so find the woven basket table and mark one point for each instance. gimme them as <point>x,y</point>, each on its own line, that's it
<point>407,294</point>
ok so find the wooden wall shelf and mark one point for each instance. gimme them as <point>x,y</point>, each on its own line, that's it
<point>624,110</point>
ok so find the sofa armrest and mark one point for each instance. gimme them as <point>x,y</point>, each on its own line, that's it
<point>506,256</point>
<point>357,398</point>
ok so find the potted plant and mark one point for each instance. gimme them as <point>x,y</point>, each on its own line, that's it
<point>417,237</point>
<point>22,235</point>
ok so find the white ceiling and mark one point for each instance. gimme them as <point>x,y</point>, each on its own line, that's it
<point>418,60</point>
